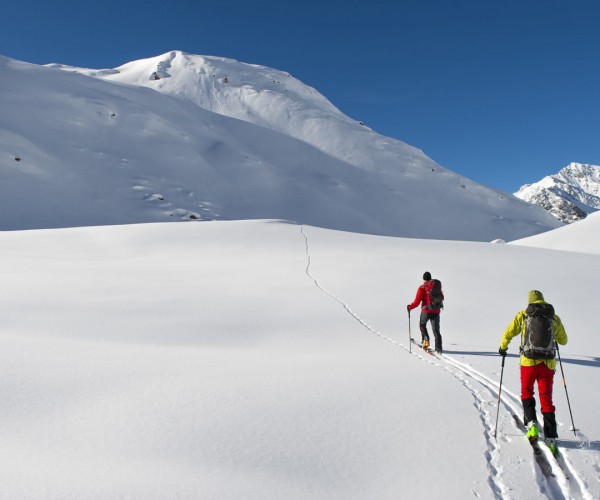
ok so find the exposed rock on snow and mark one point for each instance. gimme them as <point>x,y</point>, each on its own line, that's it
<point>570,195</point>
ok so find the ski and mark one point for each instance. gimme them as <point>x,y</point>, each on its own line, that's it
<point>428,350</point>
<point>542,461</point>
<point>561,463</point>
<point>559,460</point>
<point>540,457</point>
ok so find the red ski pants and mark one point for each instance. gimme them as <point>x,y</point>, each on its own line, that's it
<point>545,378</point>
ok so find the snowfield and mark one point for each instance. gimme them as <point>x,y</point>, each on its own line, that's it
<point>270,360</point>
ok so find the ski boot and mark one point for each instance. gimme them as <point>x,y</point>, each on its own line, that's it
<point>533,432</point>
<point>551,443</point>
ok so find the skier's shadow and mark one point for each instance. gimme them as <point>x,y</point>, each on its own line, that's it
<point>478,353</point>
<point>579,445</point>
<point>588,361</point>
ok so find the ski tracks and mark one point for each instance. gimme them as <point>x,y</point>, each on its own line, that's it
<point>337,299</point>
<point>565,483</point>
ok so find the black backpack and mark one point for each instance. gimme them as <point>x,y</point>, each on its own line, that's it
<point>435,295</point>
<point>538,340</point>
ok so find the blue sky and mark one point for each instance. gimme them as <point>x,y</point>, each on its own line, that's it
<point>503,92</point>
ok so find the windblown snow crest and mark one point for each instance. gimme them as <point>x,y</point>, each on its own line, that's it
<point>187,137</point>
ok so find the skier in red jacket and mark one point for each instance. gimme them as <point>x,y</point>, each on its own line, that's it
<point>423,298</point>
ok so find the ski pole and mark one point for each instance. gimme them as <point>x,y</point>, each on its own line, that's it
<point>409,334</point>
<point>499,392</point>
<point>565,384</point>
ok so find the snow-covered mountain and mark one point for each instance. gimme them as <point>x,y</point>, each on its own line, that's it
<point>180,137</point>
<point>570,195</point>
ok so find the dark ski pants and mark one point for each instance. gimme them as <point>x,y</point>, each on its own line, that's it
<point>544,377</point>
<point>434,318</point>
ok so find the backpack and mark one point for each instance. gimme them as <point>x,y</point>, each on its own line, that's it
<point>435,297</point>
<point>538,341</point>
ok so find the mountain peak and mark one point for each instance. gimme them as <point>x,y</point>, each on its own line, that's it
<point>570,195</point>
<point>182,136</point>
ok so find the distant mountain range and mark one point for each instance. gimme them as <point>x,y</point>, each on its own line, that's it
<point>182,137</point>
<point>570,195</point>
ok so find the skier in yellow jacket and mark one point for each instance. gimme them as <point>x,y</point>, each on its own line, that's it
<point>536,370</point>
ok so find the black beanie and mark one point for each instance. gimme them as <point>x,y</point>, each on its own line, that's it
<point>427,276</point>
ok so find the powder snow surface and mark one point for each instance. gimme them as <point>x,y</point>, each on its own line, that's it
<point>267,360</point>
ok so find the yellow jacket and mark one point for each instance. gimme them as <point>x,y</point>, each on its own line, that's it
<point>517,326</point>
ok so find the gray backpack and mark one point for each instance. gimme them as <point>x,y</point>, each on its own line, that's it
<point>538,340</point>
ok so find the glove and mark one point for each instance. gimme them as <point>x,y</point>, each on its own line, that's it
<point>408,307</point>
<point>502,352</point>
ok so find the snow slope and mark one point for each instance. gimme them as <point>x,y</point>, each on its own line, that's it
<point>581,237</point>
<point>268,360</point>
<point>96,147</point>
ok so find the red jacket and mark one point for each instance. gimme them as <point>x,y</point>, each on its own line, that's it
<point>422,298</point>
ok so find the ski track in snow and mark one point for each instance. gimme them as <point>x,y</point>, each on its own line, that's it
<point>567,483</point>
